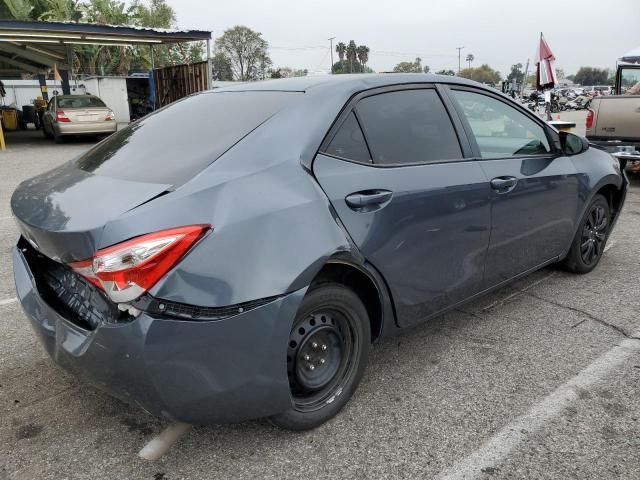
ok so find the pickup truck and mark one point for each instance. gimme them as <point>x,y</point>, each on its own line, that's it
<point>613,121</point>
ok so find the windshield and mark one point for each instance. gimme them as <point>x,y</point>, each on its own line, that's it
<point>80,101</point>
<point>174,144</point>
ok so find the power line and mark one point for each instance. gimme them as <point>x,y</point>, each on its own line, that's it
<point>377,52</point>
<point>324,57</point>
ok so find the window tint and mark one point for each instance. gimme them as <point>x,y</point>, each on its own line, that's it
<point>408,126</point>
<point>501,130</point>
<point>80,101</point>
<point>175,143</point>
<point>349,141</point>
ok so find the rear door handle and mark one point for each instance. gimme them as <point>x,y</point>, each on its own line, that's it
<point>368,198</point>
<point>504,184</point>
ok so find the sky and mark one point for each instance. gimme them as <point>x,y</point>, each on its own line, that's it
<point>497,32</point>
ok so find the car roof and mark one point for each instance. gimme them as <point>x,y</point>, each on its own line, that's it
<point>346,82</point>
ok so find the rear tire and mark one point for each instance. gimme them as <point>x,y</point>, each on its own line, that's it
<point>326,356</point>
<point>46,133</point>
<point>591,238</point>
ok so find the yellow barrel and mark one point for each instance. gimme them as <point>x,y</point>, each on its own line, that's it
<point>9,118</point>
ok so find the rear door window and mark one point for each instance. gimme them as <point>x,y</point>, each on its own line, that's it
<point>408,126</point>
<point>499,129</point>
<point>349,142</point>
<point>175,143</point>
<point>80,102</point>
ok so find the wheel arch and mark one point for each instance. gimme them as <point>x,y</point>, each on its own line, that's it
<point>612,187</point>
<point>614,195</point>
<point>367,285</point>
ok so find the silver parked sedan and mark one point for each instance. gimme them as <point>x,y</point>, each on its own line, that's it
<point>77,115</point>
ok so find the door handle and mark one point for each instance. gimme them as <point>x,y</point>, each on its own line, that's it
<point>368,198</point>
<point>504,184</point>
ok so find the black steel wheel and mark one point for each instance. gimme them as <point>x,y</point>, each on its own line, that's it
<point>589,242</point>
<point>326,355</point>
<point>320,357</point>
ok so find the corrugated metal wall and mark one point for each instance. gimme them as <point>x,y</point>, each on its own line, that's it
<point>174,83</point>
<point>113,92</point>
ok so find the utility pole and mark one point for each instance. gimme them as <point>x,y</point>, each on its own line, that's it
<point>524,80</point>
<point>331,50</point>
<point>459,57</point>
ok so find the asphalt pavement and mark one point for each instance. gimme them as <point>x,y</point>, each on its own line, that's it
<point>539,380</point>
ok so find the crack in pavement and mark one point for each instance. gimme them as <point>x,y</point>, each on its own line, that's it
<point>616,328</point>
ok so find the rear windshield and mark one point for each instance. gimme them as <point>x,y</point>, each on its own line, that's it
<point>80,102</point>
<point>174,144</point>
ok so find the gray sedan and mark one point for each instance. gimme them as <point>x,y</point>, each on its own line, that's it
<point>234,255</point>
<point>77,115</point>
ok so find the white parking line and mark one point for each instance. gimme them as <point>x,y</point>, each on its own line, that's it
<point>8,301</point>
<point>609,245</point>
<point>505,441</point>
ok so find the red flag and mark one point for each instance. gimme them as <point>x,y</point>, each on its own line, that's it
<point>546,70</point>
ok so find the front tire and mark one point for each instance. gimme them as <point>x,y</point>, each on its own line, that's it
<point>591,238</point>
<point>326,356</point>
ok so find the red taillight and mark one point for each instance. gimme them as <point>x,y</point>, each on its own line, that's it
<point>110,117</point>
<point>61,116</point>
<point>590,116</point>
<point>127,270</point>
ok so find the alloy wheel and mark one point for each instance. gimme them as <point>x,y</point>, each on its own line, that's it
<point>594,234</point>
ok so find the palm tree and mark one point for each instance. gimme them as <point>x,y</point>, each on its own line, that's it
<point>341,49</point>
<point>363,55</point>
<point>470,58</point>
<point>352,53</point>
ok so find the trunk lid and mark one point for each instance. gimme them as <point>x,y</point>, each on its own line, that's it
<point>83,115</point>
<point>62,212</point>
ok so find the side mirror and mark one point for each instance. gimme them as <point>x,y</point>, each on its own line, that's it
<point>573,144</point>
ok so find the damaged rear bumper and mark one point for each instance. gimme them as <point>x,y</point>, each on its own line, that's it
<point>217,371</point>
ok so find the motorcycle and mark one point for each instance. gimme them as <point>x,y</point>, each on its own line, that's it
<point>581,102</point>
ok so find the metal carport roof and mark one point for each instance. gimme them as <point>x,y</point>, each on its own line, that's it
<point>28,46</point>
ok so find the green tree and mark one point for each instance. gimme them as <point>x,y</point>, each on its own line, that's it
<point>341,50</point>
<point>363,54</point>
<point>470,58</point>
<point>591,76</point>
<point>16,9</point>
<point>221,68</point>
<point>344,67</point>
<point>158,14</point>
<point>288,72</point>
<point>482,74</point>
<point>262,67</point>
<point>516,73</point>
<point>409,67</point>
<point>352,54</point>
<point>246,52</point>
<point>352,58</point>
